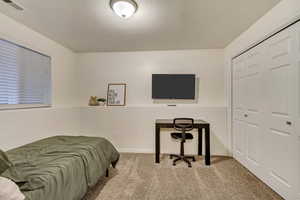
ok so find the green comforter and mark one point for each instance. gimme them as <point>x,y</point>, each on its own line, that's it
<point>63,167</point>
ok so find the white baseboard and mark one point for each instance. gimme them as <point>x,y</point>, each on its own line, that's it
<point>134,150</point>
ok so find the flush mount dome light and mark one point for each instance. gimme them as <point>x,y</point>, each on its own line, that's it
<point>124,8</point>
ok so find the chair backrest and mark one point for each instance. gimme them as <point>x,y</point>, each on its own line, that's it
<point>183,124</point>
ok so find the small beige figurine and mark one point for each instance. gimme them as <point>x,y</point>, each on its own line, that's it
<point>93,101</point>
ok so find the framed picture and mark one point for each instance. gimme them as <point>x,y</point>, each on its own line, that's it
<point>116,94</point>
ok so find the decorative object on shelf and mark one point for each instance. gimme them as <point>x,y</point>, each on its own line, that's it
<point>93,101</point>
<point>116,94</point>
<point>102,101</point>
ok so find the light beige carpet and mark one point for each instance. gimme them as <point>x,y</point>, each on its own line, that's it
<point>137,178</point>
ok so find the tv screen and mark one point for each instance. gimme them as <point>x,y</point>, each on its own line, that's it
<point>173,86</point>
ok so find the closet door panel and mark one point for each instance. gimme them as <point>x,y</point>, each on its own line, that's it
<point>254,94</point>
<point>280,69</point>
<point>235,85</point>
<point>253,109</point>
<point>281,96</point>
<point>253,133</point>
<point>244,95</point>
<point>254,60</point>
<point>239,140</point>
<point>241,83</point>
<point>253,90</point>
<point>236,76</point>
<point>239,86</point>
<point>280,75</point>
<point>279,89</point>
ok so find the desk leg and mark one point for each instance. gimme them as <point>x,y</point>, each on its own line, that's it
<point>157,143</point>
<point>207,145</point>
<point>200,142</point>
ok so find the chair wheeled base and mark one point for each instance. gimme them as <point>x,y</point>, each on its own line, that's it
<point>183,158</point>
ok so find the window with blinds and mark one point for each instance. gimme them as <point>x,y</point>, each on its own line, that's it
<point>25,77</point>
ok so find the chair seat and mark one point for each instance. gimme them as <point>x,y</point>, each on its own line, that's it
<point>188,136</point>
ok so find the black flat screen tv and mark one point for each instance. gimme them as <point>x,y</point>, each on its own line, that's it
<point>173,86</point>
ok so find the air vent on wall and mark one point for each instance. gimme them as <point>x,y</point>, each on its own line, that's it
<point>13,4</point>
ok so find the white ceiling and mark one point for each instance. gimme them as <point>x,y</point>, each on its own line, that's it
<point>90,25</point>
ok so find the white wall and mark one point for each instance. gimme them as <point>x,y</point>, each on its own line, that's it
<point>131,128</point>
<point>18,127</point>
<point>278,17</point>
<point>136,68</point>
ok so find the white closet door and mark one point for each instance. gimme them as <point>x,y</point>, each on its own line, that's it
<point>253,112</point>
<point>266,111</point>
<point>239,138</point>
<point>248,109</point>
<point>281,95</point>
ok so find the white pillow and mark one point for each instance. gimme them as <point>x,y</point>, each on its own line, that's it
<point>9,190</point>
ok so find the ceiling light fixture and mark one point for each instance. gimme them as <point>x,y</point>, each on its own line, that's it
<point>13,4</point>
<point>124,8</point>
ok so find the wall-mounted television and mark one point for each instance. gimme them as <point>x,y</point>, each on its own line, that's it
<point>173,86</point>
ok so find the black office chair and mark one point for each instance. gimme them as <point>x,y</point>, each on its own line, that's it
<point>183,125</point>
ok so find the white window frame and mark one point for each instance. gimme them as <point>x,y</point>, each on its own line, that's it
<point>4,107</point>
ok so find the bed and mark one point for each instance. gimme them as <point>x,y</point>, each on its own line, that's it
<point>61,167</point>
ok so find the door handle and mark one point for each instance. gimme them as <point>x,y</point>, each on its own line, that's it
<point>245,115</point>
<point>289,123</point>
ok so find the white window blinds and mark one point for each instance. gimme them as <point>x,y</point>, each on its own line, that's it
<point>25,76</point>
